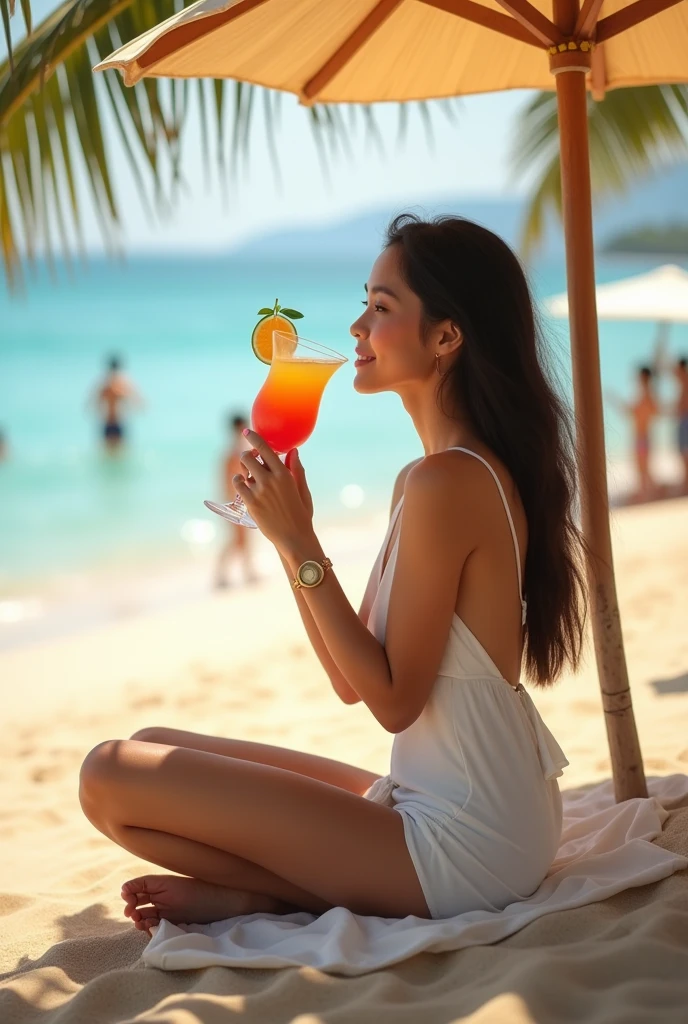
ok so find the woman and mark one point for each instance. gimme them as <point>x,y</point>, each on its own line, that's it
<point>470,814</point>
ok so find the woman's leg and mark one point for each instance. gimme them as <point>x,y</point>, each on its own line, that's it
<point>324,769</point>
<point>216,885</point>
<point>319,838</point>
<point>250,888</point>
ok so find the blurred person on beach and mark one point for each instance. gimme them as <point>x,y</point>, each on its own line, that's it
<point>239,541</point>
<point>478,581</point>
<point>678,410</point>
<point>642,411</point>
<point>112,397</point>
<point>680,371</point>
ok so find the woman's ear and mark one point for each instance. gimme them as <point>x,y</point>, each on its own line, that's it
<point>450,339</point>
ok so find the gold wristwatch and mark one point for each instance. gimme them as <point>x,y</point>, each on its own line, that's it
<point>311,574</point>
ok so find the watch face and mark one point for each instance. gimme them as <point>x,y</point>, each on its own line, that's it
<point>310,573</point>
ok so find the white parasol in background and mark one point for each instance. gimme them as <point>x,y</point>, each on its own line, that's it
<point>660,295</point>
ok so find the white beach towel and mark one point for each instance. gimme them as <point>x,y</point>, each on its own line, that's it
<point>605,848</point>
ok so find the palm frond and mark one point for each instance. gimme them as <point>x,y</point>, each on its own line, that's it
<point>632,132</point>
<point>52,111</point>
<point>7,9</point>
<point>50,121</point>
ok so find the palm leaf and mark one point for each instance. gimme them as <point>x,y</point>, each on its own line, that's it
<point>7,8</point>
<point>632,132</point>
<point>52,110</point>
<point>52,122</point>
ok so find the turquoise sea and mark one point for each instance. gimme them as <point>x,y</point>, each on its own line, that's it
<point>182,327</point>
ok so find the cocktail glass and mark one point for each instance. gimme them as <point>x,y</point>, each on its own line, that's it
<point>286,407</point>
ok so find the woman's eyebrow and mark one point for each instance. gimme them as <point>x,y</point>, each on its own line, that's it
<point>381,288</point>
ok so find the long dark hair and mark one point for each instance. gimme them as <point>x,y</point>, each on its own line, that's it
<point>501,380</point>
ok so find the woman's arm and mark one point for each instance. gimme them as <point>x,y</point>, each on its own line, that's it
<point>394,679</point>
<point>339,683</point>
<point>441,524</point>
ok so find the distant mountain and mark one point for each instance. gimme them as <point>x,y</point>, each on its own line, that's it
<point>663,240</point>
<point>362,235</point>
<point>658,200</point>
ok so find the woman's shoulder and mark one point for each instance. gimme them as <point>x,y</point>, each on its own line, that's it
<point>400,482</point>
<point>460,481</point>
<point>452,469</point>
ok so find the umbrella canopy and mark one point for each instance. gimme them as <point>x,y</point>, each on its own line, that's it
<point>370,50</point>
<point>357,51</point>
<point>660,295</point>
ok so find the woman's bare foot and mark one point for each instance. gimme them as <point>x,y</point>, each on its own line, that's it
<point>152,898</point>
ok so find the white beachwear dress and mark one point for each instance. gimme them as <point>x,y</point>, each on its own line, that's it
<point>474,777</point>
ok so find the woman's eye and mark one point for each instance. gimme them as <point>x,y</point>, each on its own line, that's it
<point>377,307</point>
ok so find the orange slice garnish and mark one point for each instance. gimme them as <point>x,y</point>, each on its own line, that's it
<point>275,319</point>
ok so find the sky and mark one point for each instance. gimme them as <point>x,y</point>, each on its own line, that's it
<point>469,156</point>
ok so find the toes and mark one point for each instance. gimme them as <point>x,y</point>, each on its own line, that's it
<point>146,920</point>
<point>133,886</point>
<point>138,914</point>
<point>133,902</point>
<point>146,884</point>
<point>137,891</point>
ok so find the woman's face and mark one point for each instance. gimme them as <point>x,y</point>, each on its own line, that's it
<point>390,352</point>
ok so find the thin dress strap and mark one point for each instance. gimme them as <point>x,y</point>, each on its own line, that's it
<point>385,549</point>
<point>517,551</point>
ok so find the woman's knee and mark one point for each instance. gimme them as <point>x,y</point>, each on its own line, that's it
<point>97,767</point>
<point>152,734</point>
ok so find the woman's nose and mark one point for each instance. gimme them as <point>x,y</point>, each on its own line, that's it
<point>357,330</point>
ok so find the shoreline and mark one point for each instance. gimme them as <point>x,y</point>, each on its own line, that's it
<point>39,609</point>
<point>93,599</point>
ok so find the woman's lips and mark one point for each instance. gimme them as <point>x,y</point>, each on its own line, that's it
<point>364,361</point>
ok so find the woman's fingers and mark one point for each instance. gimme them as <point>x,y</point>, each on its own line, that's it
<point>295,467</point>
<point>242,489</point>
<point>257,469</point>
<point>266,453</point>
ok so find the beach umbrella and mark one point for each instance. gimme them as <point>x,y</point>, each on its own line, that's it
<point>363,51</point>
<point>660,295</point>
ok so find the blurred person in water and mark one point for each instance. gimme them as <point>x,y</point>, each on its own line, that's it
<point>112,397</point>
<point>677,407</point>
<point>680,372</point>
<point>3,446</point>
<point>642,411</point>
<point>238,542</point>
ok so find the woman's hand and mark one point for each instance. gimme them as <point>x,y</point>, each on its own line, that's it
<point>295,467</point>
<point>277,496</point>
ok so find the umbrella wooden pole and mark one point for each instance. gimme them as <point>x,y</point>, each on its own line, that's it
<point>627,763</point>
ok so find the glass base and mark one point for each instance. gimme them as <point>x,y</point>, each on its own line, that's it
<point>234,511</point>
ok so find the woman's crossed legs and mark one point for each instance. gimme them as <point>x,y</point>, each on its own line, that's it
<point>254,828</point>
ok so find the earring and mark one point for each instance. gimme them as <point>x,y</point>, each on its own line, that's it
<point>437,364</point>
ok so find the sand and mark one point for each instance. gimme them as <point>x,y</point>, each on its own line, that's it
<point>239,664</point>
